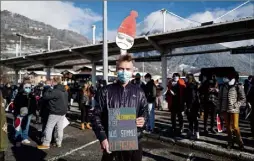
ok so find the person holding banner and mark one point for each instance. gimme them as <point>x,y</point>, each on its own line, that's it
<point>120,95</point>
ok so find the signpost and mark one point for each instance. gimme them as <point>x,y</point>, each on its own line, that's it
<point>122,129</point>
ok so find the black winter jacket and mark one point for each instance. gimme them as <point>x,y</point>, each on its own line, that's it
<point>191,97</point>
<point>24,100</point>
<point>116,96</point>
<point>57,100</point>
<point>150,91</point>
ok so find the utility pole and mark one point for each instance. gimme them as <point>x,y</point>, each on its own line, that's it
<point>49,43</point>
<point>105,41</point>
<point>20,41</point>
<point>93,63</point>
<point>17,50</point>
<point>20,37</point>
<point>143,65</point>
<point>94,28</point>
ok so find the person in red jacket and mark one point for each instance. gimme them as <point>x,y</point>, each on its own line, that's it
<point>175,99</point>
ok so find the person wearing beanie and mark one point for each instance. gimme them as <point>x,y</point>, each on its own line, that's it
<point>231,98</point>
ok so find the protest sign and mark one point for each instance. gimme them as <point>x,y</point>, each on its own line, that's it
<point>122,131</point>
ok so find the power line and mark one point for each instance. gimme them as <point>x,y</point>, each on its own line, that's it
<point>232,10</point>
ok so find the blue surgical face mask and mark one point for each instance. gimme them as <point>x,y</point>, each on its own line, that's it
<point>124,76</point>
<point>27,90</point>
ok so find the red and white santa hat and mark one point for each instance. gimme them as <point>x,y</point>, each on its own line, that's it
<point>128,25</point>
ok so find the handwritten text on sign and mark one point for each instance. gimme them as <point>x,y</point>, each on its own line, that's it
<point>122,131</point>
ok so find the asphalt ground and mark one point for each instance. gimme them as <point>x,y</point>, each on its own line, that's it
<point>153,150</point>
<point>81,145</point>
<point>163,128</point>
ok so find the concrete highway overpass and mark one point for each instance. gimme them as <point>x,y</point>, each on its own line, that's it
<point>242,29</point>
<point>237,30</point>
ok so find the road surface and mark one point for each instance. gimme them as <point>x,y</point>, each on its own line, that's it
<point>81,145</point>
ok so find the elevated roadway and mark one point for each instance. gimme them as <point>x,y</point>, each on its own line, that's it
<point>242,29</point>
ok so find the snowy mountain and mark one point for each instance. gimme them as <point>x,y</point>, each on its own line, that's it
<point>12,23</point>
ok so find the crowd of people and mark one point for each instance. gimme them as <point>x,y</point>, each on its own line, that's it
<point>210,97</point>
<point>52,100</point>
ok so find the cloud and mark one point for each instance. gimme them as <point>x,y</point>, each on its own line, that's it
<point>154,21</point>
<point>59,14</point>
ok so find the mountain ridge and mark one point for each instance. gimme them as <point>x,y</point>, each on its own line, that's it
<point>12,23</point>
